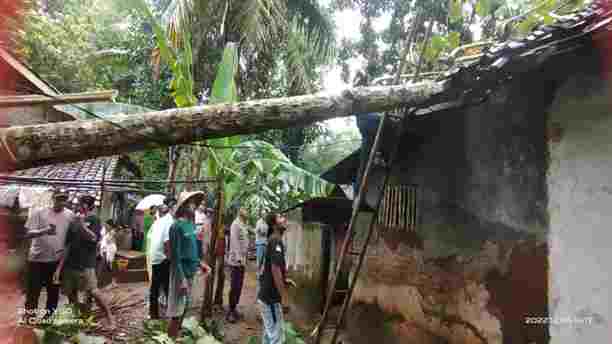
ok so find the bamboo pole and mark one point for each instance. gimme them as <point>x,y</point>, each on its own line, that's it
<point>28,100</point>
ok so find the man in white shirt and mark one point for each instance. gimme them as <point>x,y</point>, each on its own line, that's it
<point>201,222</point>
<point>160,234</point>
<point>47,228</point>
<point>239,246</point>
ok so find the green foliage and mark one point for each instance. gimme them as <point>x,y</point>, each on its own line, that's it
<point>68,325</point>
<point>456,11</point>
<point>257,173</point>
<point>224,88</point>
<point>58,48</point>
<point>483,7</point>
<point>180,61</point>
<point>292,336</point>
<point>215,328</point>
<point>154,165</point>
<point>330,148</point>
<point>156,333</point>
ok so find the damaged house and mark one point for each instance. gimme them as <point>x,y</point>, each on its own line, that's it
<point>26,99</point>
<point>494,226</point>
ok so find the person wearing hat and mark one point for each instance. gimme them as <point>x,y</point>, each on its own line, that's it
<point>184,262</point>
<point>160,265</point>
<point>47,228</point>
<point>79,262</point>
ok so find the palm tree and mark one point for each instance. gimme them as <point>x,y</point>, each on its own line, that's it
<point>269,33</point>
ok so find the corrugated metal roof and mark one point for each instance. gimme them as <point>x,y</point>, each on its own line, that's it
<point>100,109</point>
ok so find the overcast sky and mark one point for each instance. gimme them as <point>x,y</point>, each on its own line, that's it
<point>347,26</point>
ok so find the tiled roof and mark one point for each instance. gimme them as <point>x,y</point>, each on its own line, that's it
<point>65,176</point>
<point>87,170</point>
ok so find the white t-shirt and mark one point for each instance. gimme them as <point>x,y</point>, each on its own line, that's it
<point>200,218</point>
<point>160,233</point>
<point>48,248</point>
<point>239,243</point>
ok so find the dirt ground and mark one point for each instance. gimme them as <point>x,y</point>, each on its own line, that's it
<point>130,319</point>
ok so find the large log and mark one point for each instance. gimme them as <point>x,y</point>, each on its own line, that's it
<point>36,145</point>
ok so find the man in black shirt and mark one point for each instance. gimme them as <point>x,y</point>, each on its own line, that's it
<point>79,261</point>
<point>273,296</point>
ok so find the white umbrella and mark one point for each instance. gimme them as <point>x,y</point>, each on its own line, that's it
<point>149,201</point>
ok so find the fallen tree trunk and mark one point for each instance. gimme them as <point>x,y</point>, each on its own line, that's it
<point>36,145</point>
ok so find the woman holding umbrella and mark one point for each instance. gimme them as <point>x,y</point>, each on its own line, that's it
<point>182,248</point>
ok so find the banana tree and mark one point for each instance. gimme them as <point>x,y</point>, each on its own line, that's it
<point>219,165</point>
<point>245,168</point>
<point>179,59</point>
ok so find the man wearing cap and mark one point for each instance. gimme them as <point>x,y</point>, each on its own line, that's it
<point>160,265</point>
<point>79,262</point>
<point>47,228</point>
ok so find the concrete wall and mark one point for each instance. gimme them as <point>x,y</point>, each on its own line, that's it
<point>515,215</point>
<point>580,189</point>
<point>481,172</point>
<point>477,264</point>
<point>304,258</point>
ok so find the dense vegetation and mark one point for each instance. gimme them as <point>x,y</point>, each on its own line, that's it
<point>166,53</point>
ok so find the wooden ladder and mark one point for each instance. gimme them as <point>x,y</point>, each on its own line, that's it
<point>357,209</point>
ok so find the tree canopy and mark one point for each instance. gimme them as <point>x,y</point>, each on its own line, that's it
<point>169,53</point>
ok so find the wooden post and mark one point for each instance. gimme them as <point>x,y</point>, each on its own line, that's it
<point>207,303</point>
<point>220,256</point>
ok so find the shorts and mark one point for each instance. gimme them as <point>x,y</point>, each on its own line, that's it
<point>79,280</point>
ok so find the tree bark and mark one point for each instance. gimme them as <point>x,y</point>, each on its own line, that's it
<point>207,303</point>
<point>30,146</point>
<point>173,159</point>
<point>218,300</point>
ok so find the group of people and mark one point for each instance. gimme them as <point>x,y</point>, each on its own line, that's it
<point>65,247</point>
<point>63,255</point>
<point>175,249</point>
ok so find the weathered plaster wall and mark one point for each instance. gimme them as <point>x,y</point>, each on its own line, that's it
<point>580,188</point>
<point>478,263</point>
<point>304,258</point>
<point>482,172</point>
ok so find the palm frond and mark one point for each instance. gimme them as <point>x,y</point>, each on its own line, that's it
<point>316,23</point>
<point>177,17</point>
<point>259,21</point>
<point>302,60</point>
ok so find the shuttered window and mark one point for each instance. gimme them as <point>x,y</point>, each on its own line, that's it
<point>399,208</point>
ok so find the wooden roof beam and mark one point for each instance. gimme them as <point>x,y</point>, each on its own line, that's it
<point>86,97</point>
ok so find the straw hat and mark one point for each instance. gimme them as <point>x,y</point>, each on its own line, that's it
<point>60,193</point>
<point>186,197</point>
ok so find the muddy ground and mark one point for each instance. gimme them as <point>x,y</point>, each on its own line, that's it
<point>130,319</point>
